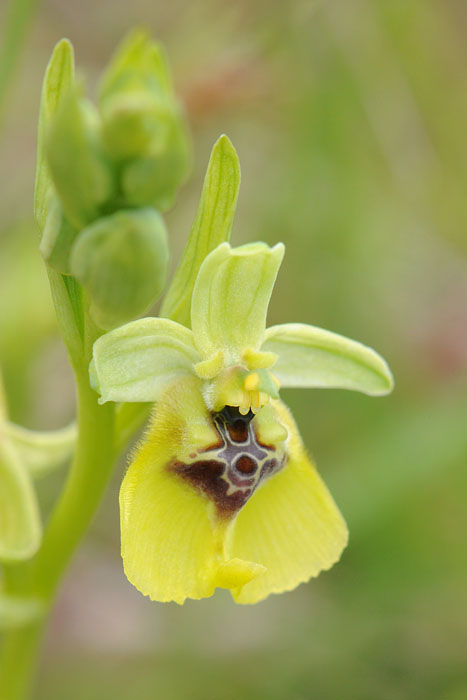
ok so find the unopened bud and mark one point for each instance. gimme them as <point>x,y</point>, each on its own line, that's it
<point>153,180</point>
<point>139,65</point>
<point>143,125</point>
<point>121,261</point>
<point>136,123</point>
<point>77,161</point>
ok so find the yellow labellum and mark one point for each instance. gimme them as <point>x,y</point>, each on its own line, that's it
<point>177,544</point>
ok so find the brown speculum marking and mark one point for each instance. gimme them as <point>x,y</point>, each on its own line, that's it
<point>229,473</point>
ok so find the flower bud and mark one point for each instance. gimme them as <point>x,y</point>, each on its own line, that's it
<point>77,161</point>
<point>142,124</point>
<point>135,123</point>
<point>153,180</point>
<point>121,261</point>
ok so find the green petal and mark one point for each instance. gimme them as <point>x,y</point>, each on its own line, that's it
<point>312,357</point>
<point>59,78</point>
<point>231,297</point>
<point>135,362</point>
<point>42,452</point>
<point>20,527</point>
<point>211,227</point>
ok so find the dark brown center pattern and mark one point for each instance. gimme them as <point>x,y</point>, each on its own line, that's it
<point>230,471</point>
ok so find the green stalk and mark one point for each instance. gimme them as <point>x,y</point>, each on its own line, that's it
<point>18,660</point>
<point>88,477</point>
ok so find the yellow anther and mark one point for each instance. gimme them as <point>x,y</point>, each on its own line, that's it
<point>252,382</point>
<point>255,401</point>
<point>245,405</point>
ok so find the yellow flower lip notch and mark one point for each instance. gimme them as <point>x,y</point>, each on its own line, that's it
<point>221,491</point>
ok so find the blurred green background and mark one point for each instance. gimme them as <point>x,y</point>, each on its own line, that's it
<point>349,117</point>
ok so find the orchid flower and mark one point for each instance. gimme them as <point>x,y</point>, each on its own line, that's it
<point>221,492</point>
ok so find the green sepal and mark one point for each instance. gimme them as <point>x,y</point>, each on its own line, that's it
<point>311,357</point>
<point>137,361</point>
<point>121,261</point>
<point>20,526</point>
<point>41,452</point>
<point>57,238</point>
<point>78,164</point>
<point>211,227</point>
<point>17,611</point>
<point>230,299</point>
<point>58,80</point>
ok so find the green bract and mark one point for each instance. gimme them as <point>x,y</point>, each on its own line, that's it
<point>212,226</point>
<point>58,80</point>
<point>240,362</point>
<point>57,238</point>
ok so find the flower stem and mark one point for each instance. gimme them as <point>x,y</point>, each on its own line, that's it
<point>19,659</point>
<point>87,479</point>
<point>82,493</point>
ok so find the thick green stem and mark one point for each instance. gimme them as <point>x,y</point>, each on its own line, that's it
<point>18,660</point>
<point>83,491</point>
<point>39,578</point>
